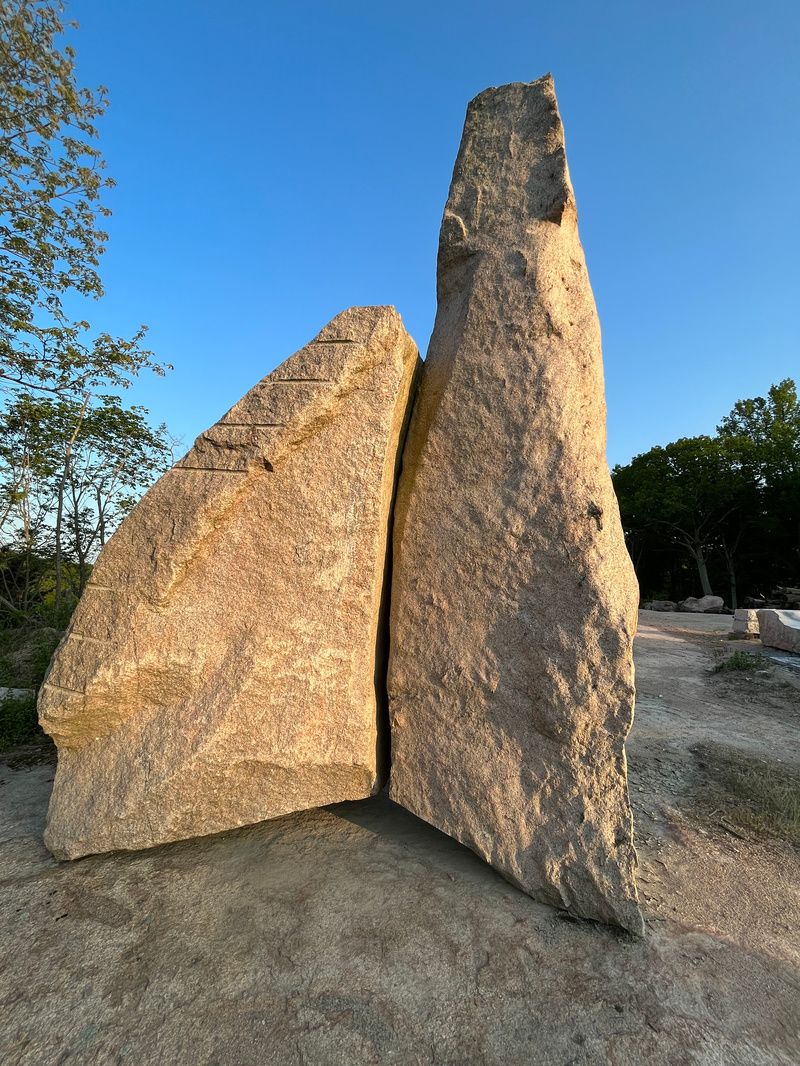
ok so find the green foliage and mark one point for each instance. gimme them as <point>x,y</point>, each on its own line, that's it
<point>24,657</point>
<point>73,459</point>
<point>18,722</point>
<point>69,472</point>
<point>740,660</point>
<point>52,176</point>
<point>720,513</point>
<point>767,430</point>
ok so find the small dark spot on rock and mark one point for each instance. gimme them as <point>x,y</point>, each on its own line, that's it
<point>596,513</point>
<point>517,264</point>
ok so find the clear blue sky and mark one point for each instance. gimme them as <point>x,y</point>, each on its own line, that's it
<point>278,162</point>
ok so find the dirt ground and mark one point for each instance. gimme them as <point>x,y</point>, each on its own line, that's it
<point>357,934</point>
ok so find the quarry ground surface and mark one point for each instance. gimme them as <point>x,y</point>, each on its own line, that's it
<point>357,934</point>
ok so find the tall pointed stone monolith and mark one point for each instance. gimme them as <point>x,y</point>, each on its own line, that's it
<point>513,598</point>
<point>226,662</point>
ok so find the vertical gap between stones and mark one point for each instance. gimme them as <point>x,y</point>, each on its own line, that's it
<point>383,750</point>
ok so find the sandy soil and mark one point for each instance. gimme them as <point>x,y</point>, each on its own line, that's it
<point>357,934</point>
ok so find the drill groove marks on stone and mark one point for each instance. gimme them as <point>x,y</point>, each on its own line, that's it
<point>514,601</point>
<point>226,661</point>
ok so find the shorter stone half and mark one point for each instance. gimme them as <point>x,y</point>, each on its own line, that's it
<point>225,664</point>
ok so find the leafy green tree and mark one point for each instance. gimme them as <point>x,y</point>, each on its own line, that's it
<point>729,504</point>
<point>684,492</point>
<point>72,457</point>
<point>763,437</point>
<point>52,176</point>
<point>69,472</point>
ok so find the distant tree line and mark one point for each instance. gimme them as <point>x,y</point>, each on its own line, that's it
<point>719,515</point>
<point>73,457</point>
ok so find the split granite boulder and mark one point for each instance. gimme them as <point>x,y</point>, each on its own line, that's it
<point>780,629</point>
<point>514,602</point>
<point>225,663</point>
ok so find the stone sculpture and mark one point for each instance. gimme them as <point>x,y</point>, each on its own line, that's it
<point>226,662</point>
<point>514,601</point>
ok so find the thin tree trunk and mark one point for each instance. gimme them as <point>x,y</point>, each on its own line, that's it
<point>59,523</point>
<point>79,552</point>
<point>27,588</point>
<point>60,509</point>
<point>731,573</point>
<point>730,562</point>
<point>702,570</point>
<point>102,518</point>
<point>26,529</point>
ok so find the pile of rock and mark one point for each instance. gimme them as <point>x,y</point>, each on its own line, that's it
<point>230,659</point>
<point>692,604</point>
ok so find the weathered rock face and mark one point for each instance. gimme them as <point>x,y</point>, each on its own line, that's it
<point>223,663</point>
<point>514,602</point>
<point>745,622</point>
<point>780,629</point>
<point>702,605</point>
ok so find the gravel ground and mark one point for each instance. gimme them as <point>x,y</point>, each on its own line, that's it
<point>357,934</point>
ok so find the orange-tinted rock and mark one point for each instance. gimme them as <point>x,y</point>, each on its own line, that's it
<point>514,602</point>
<point>222,665</point>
